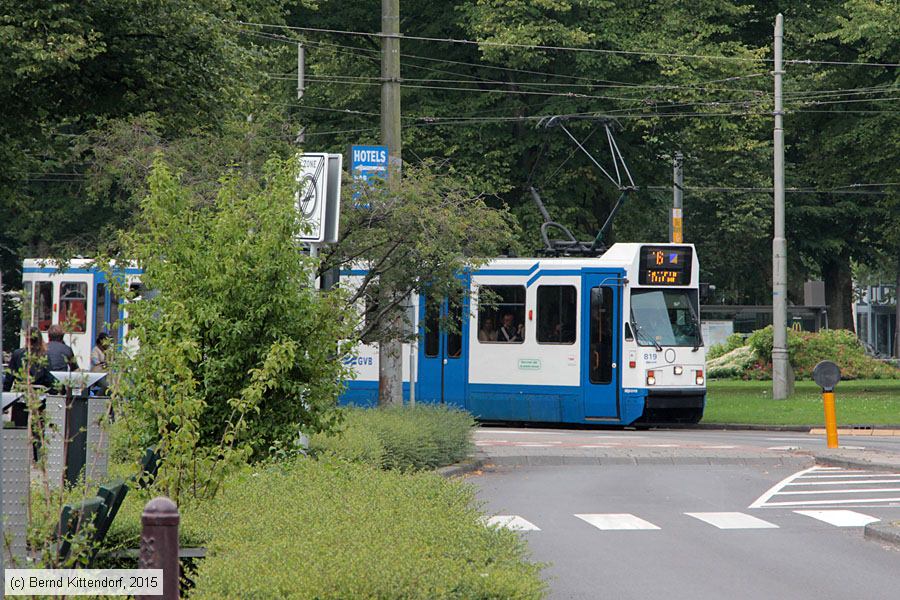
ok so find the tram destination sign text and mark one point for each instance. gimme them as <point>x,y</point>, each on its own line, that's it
<point>665,265</point>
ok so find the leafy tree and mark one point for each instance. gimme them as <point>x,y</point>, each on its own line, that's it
<point>237,351</point>
<point>414,237</point>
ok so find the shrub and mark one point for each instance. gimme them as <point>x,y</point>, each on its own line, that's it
<point>734,341</point>
<point>420,437</point>
<point>732,364</point>
<point>326,529</point>
<point>805,350</point>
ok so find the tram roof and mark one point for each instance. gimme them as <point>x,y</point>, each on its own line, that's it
<point>621,256</point>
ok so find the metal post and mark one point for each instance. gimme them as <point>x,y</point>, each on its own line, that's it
<point>782,381</point>
<point>159,544</point>
<point>301,67</point>
<point>2,375</point>
<point>390,352</point>
<point>831,433</point>
<point>676,232</point>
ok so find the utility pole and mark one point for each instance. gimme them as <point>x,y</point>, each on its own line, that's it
<point>2,435</point>
<point>676,231</point>
<point>782,376</point>
<point>390,358</point>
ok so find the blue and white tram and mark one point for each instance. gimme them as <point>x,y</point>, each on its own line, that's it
<point>612,339</point>
<point>79,297</point>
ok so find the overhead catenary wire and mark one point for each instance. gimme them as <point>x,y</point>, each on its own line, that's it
<point>631,52</point>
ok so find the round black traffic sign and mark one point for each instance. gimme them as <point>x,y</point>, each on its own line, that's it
<point>827,375</point>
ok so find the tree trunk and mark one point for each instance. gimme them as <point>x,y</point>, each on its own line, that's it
<point>839,292</point>
<point>390,360</point>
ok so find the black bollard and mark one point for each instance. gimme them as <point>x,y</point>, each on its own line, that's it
<point>159,544</point>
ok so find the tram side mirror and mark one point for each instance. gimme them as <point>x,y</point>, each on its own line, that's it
<point>629,336</point>
<point>706,291</point>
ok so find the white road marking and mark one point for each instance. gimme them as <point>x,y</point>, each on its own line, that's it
<point>854,482</point>
<point>775,488</point>
<point>513,522</point>
<point>855,491</point>
<point>732,520</point>
<point>784,448</point>
<point>616,521</point>
<point>787,439</point>
<point>847,501</point>
<point>519,432</point>
<point>658,445</point>
<point>521,445</point>
<point>852,474</point>
<point>716,447</point>
<point>839,518</point>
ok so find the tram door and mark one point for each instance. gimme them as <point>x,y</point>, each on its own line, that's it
<point>442,353</point>
<point>601,297</point>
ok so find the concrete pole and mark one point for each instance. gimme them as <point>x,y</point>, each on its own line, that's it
<point>159,544</point>
<point>2,375</point>
<point>676,224</point>
<point>390,357</point>
<point>782,379</point>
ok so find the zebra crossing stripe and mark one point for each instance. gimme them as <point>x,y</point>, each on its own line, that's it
<point>616,521</point>
<point>732,520</point>
<point>513,522</point>
<point>839,518</point>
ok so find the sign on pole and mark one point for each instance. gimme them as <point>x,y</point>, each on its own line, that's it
<point>311,194</point>
<point>367,163</point>
<point>319,195</point>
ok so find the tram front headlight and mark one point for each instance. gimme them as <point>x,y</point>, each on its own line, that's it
<point>699,378</point>
<point>679,369</point>
<point>651,378</point>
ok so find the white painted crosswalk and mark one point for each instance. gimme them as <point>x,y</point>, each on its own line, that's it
<point>732,520</point>
<point>839,518</point>
<point>616,521</point>
<point>832,486</point>
<point>719,520</point>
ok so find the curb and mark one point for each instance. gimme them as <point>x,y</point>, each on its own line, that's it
<point>849,463</point>
<point>844,429</point>
<point>883,532</point>
<point>525,460</point>
<point>462,468</point>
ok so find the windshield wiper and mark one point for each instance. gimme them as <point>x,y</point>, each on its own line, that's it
<point>639,331</point>
<point>697,329</point>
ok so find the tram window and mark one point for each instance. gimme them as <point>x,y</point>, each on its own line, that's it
<point>601,335</point>
<point>73,306</point>
<point>432,327</point>
<point>43,305</point>
<point>501,314</point>
<point>556,314</point>
<point>113,316</point>
<point>454,332</point>
<point>27,302</point>
<point>100,315</point>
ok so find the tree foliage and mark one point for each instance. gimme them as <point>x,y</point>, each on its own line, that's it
<point>237,351</point>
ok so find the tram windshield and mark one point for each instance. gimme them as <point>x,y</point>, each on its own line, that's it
<point>665,317</point>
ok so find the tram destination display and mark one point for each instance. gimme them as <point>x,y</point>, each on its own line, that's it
<point>665,265</point>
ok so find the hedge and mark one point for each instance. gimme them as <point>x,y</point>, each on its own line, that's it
<point>329,529</point>
<point>420,437</point>
<point>805,350</point>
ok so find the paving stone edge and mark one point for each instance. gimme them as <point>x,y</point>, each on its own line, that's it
<point>883,532</point>
<point>470,465</point>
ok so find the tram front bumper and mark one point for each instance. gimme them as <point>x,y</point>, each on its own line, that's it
<point>675,398</point>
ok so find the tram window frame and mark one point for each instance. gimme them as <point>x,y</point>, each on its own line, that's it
<point>601,346</point>
<point>28,302</point>
<point>500,299</point>
<point>455,307</point>
<point>432,326</point>
<point>67,301</point>
<point>43,308</point>
<point>100,308</point>
<point>567,319</point>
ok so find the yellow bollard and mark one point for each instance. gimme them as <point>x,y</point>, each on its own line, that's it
<point>830,420</point>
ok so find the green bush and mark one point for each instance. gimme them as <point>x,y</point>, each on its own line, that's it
<point>420,437</point>
<point>734,341</point>
<point>805,350</point>
<point>328,529</point>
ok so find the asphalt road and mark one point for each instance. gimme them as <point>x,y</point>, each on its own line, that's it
<point>690,531</point>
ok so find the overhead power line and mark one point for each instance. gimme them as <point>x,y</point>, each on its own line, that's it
<point>640,52</point>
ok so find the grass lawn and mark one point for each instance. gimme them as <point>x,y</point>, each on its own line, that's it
<point>859,402</point>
